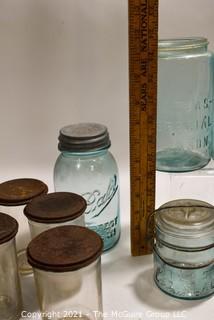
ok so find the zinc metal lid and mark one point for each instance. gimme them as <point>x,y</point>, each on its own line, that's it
<point>20,191</point>
<point>55,207</point>
<point>185,203</point>
<point>64,249</point>
<point>186,218</point>
<point>84,137</point>
<point>8,228</point>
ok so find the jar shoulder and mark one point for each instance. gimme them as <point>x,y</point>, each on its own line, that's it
<point>104,160</point>
<point>177,56</point>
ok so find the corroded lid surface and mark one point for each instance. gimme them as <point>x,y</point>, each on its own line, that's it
<point>186,219</point>
<point>55,207</point>
<point>8,227</point>
<point>64,249</point>
<point>20,191</point>
<point>84,137</point>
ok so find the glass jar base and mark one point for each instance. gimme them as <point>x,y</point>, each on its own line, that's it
<point>181,297</point>
<point>8,310</point>
<point>23,265</point>
<point>183,283</point>
<point>109,243</point>
<point>110,246</point>
<point>180,160</point>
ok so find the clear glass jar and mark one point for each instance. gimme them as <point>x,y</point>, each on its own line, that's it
<point>10,292</point>
<point>184,249</point>
<point>54,210</point>
<point>14,195</point>
<point>68,277</point>
<point>85,166</point>
<point>185,95</point>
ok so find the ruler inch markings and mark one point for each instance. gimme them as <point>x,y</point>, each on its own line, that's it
<point>143,38</point>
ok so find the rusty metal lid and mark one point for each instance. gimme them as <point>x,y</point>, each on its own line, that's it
<point>8,228</point>
<point>20,191</point>
<point>55,207</point>
<point>64,249</point>
<point>84,137</point>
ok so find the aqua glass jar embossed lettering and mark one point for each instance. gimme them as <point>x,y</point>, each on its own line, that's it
<point>86,167</point>
<point>185,99</point>
<point>184,249</point>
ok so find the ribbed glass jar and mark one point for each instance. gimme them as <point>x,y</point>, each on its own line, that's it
<point>184,249</point>
<point>185,97</point>
<point>10,291</point>
<point>86,166</point>
<point>67,268</point>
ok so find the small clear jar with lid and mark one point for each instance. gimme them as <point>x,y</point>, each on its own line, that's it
<point>185,100</point>
<point>53,210</point>
<point>85,166</point>
<point>67,269</point>
<point>10,292</point>
<point>14,196</point>
<point>184,249</point>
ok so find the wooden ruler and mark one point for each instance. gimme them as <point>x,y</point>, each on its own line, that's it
<point>143,39</point>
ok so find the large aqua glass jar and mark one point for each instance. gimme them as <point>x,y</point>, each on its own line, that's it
<point>185,89</point>
<point>86,167</point>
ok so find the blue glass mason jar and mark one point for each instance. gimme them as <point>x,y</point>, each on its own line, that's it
<point>185,94</point>
<point>86,167</point>
<point>184,249</point>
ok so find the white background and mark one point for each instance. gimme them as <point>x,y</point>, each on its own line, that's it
<point>66,61</point>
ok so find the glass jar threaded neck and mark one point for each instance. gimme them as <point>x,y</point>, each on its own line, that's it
<point>181,46</point>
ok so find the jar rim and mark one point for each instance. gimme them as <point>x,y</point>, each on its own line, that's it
<point>180,44</point>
